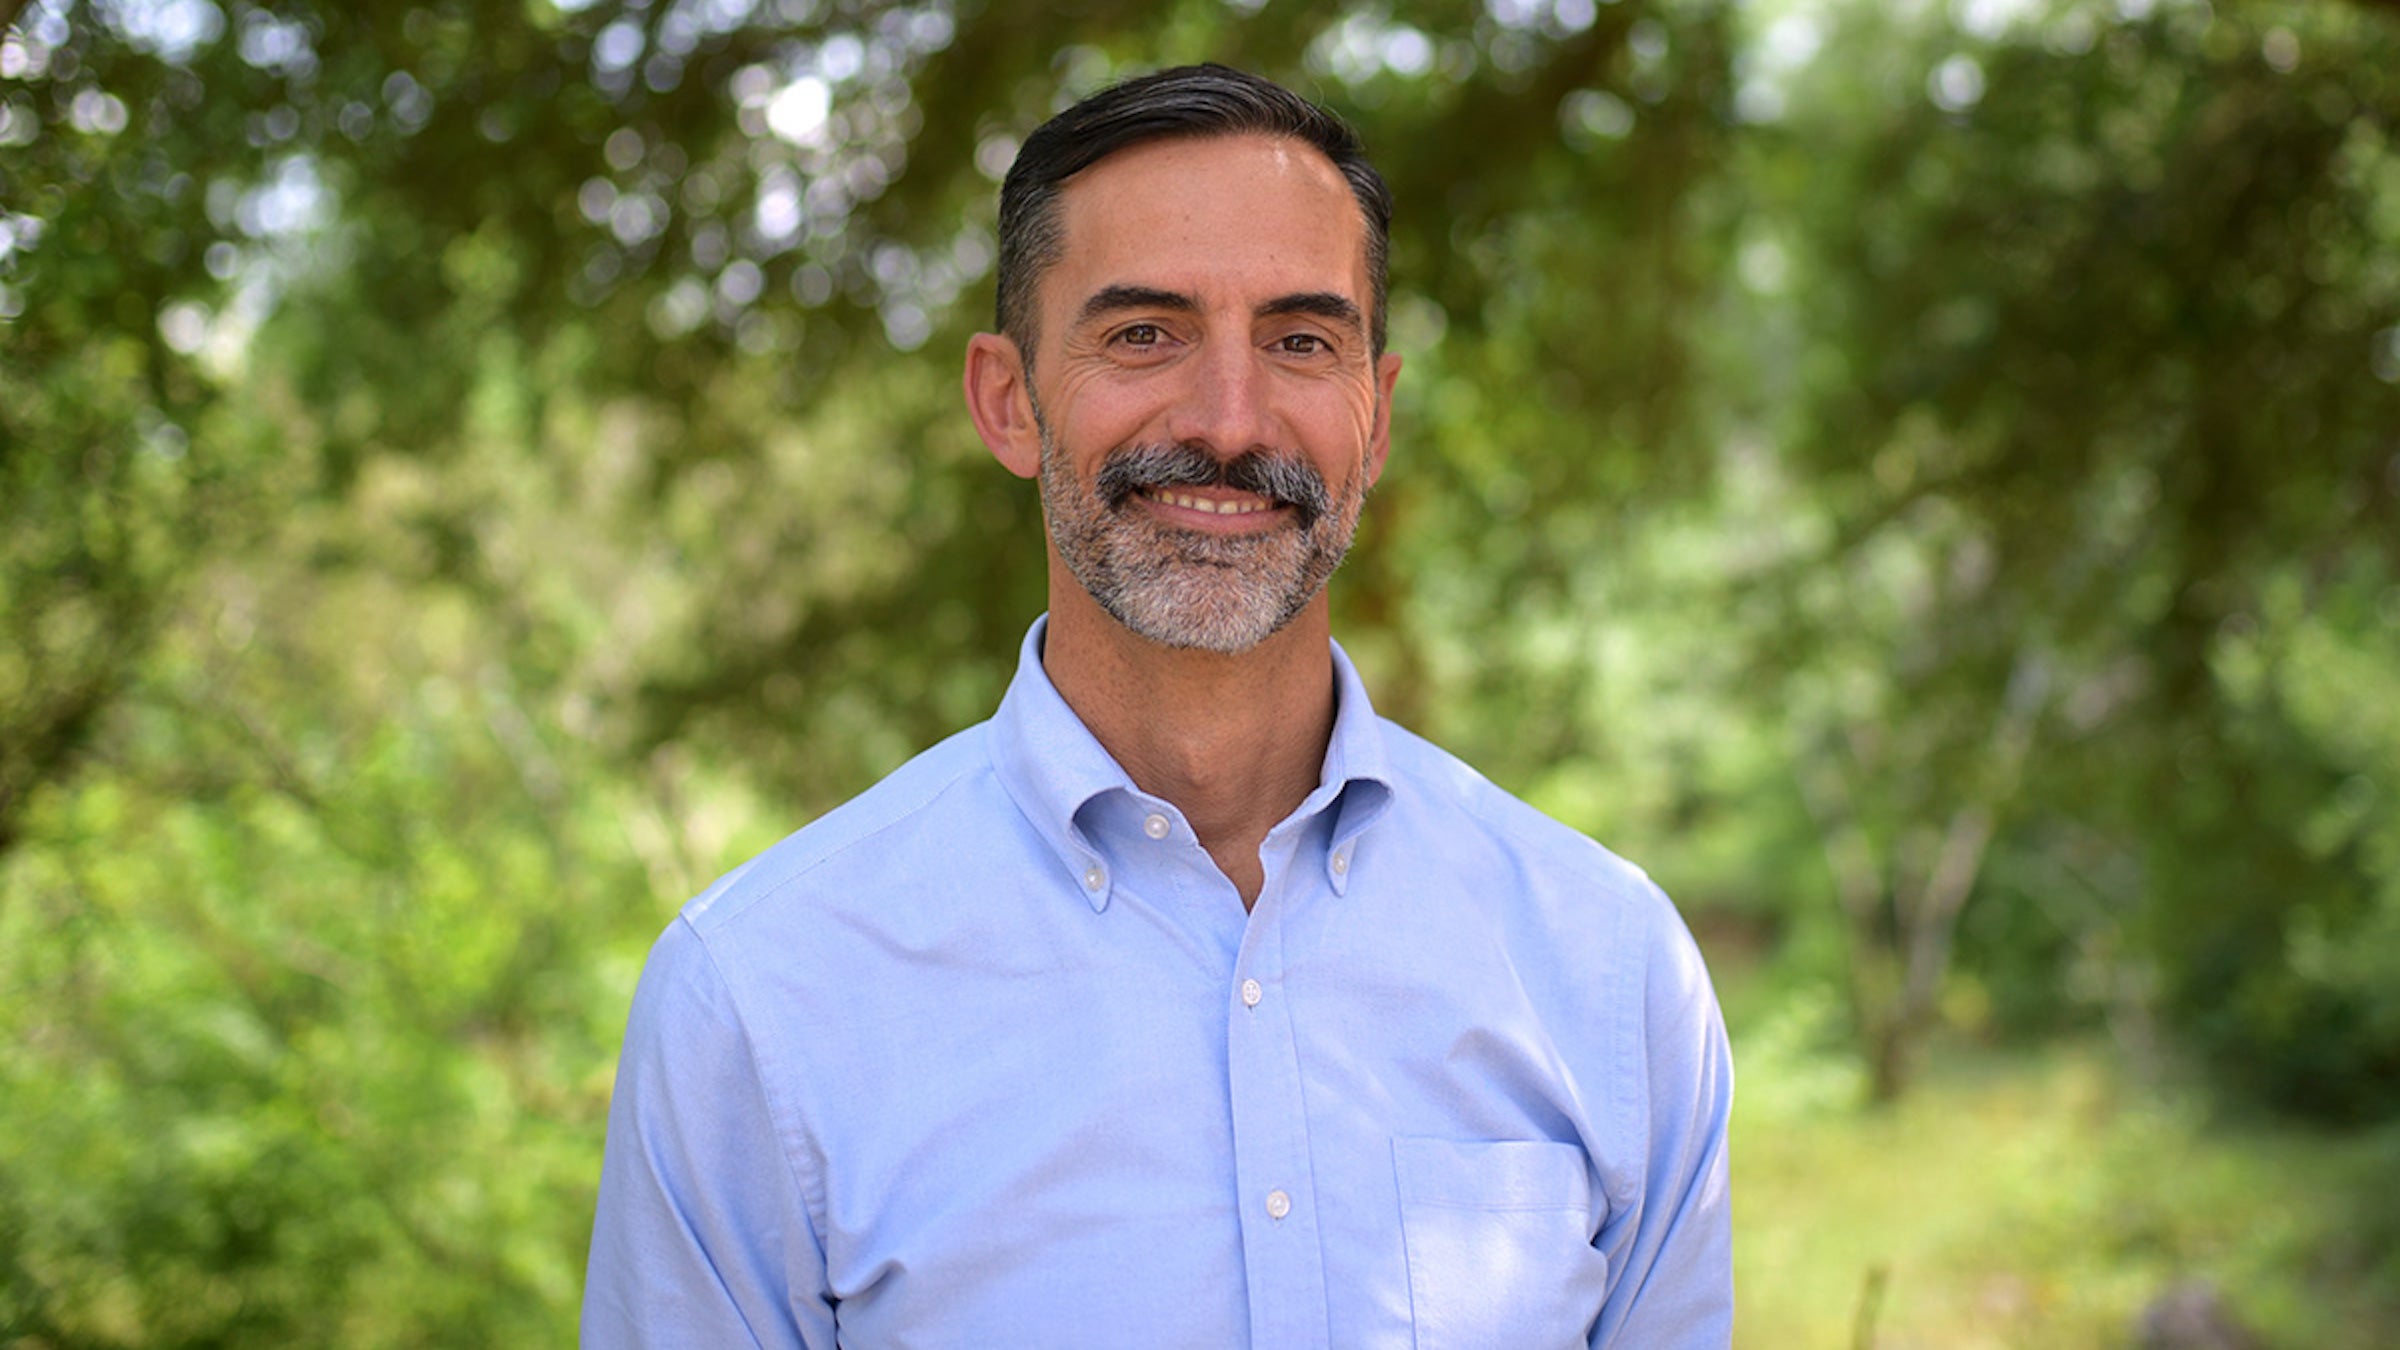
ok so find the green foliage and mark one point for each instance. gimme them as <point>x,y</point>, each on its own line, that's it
<point>2032,1199</point>
<point>2308,740</point>
<point>313,991</point>
<point>2081,365</point>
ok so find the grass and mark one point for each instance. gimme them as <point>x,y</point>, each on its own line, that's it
<point>2037,1198</point>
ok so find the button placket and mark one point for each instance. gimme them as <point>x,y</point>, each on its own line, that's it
<point>1272,1163</point>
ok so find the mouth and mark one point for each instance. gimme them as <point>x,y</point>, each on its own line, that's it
<point>1221,506</point>
<point>1191,489</point>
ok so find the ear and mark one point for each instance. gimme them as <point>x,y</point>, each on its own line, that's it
<point>998,400</point>
<point>1379,439</point>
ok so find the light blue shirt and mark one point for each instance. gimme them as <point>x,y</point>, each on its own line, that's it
<point>993,1056</point>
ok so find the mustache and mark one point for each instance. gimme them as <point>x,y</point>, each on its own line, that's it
<point>1282,479</point>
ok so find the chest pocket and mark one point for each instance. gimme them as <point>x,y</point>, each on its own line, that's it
<point>1499,1245</point>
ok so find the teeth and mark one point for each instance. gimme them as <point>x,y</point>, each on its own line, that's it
<point>1232,508</point>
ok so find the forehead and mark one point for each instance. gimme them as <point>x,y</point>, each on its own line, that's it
<point>1246,212</point>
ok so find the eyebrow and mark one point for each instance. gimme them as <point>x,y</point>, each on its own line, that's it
<point>1321,304</point>
<point>1111,299</point>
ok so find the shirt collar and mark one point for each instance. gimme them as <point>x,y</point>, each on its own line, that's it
<point>1357,775</point>
<point>1051,764</point>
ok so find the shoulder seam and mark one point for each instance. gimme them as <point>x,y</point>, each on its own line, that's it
<point>763,888</point>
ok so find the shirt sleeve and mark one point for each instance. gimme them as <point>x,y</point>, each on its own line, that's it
<point>1674,1282</point>
<point>703,1236</point>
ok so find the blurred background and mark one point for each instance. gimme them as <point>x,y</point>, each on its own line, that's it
<point>1923,480</point>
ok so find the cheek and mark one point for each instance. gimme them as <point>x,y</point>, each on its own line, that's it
<point>1102,417</point>
<point>1339,429</point>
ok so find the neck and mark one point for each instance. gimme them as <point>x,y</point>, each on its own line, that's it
<point>1234,740</point>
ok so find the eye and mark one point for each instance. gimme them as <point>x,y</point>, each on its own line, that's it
<point>1141,335</point>
<point>1302,344</point>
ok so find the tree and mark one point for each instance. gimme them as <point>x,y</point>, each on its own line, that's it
<point>2103,363</point>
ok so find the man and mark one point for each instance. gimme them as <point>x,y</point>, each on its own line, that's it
<point>1183,1003</point>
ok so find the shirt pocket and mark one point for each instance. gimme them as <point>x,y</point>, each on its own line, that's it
<point>1499,1243</point>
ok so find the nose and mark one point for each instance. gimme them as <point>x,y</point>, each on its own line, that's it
<point>1224,404</point>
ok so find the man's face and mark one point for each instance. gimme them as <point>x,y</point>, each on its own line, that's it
<point>1210,410</point>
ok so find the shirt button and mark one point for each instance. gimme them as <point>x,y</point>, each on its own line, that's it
<point>1251,994</point>
<point>1155,826</point>
<point>1278,1204</point>
<point>1341,863</point>
<point>1094,878</point>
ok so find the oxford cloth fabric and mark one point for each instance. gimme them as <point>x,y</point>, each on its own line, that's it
<point>993,1056</point>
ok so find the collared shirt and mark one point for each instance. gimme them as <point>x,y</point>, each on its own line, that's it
<point>993,1056</point>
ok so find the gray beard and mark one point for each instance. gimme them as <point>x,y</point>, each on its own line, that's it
<point>1183,588</point>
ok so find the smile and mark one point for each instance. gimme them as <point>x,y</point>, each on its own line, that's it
<point>1245,507</point>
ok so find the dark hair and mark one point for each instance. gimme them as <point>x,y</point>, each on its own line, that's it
<point>1186,101</point>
